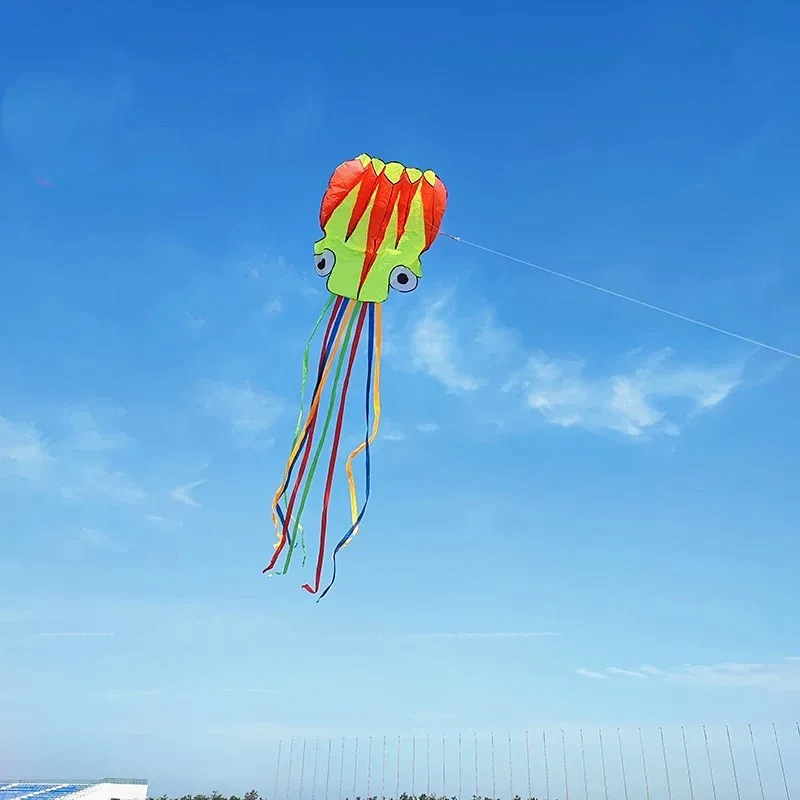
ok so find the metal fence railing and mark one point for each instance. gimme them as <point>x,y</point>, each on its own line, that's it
<point>737,762</point>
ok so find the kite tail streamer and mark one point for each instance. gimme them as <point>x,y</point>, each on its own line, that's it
<point>342,312</point>
<point>373,395</point>
<point>307,352</point>
<point>304,379</point>
<point>309,441</point>
<point>323,528</point>
<point>331,329</point>
<point>351,317</point>
<point>307,430</point>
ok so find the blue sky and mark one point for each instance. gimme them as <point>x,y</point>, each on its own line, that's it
<point>568,488</point>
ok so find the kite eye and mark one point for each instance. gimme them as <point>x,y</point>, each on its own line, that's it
<point>324,262</point>
<point>402,279</point>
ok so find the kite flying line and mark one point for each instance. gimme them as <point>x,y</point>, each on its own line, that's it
<point>619,296</point>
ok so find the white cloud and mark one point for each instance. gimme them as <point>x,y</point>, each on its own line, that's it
<point>435,351</point>
<point>74,465</point>
<point>122,692</point>
<point>783,675</point>
<point>630,673</point>
<point>183,494</point>
<point>247,412</point>
<point>86,435</point>
<point>427,427</point>
<point>494,339</point>
<point>780,676</point>
<point>273,307</point>
<point>649,395</point>
<point>80,466</point>
<point>194,324</point>
<point>393,436</point>
<point>631,403</point>
<point>70,635</point>
<point>483,635</point>
<point>587,673</point>
<point>14,616</point>
<point>84,457</point>
<point>99,540</point>
<point>163,524</point>
<point>23,451</point>
<point>98,482</point>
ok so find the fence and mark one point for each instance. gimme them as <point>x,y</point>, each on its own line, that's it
<point>758,762</point>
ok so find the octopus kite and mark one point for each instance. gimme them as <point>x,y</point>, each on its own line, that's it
<point>377,220</point>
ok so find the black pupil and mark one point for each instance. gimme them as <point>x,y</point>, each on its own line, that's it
<point>321,264</point>
<point>402,278</point>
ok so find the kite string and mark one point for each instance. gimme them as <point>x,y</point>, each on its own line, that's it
<point>625,297</point>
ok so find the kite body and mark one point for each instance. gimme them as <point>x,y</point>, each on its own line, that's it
<point>377,220</point>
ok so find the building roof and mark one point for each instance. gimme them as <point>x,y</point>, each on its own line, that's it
<point>39,791</point>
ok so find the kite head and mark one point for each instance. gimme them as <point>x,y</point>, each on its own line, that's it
<point>378,220</point>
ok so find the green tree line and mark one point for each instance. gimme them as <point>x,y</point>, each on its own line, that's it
<point>254,795</point>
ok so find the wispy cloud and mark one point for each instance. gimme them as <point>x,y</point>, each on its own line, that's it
<point>483,635</point>
<point>393,436</point>
<point>162,523</point>
<point>75,465</point>
<point>85,457</point>
<point>248,413</point>
<point>122,692</point>
<point>194,323</point>
<point>495,339</point>
<point>435,350</point>
<point>427,427</point>
<point>640,396</point>
<point>14,616</point>
<point>98,482</point>
<point>780,676</point>
<point>631,403</point>
<point>87,435</point>
<point>90,537</point>
<point>588,673</point>
<point>628,673</point>
<point>183,494</point>
<point>23,450</point>
<point>72,635</point>
<point>273,307</point>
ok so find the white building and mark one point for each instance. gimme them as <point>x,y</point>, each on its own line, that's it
<point>106,789</point>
